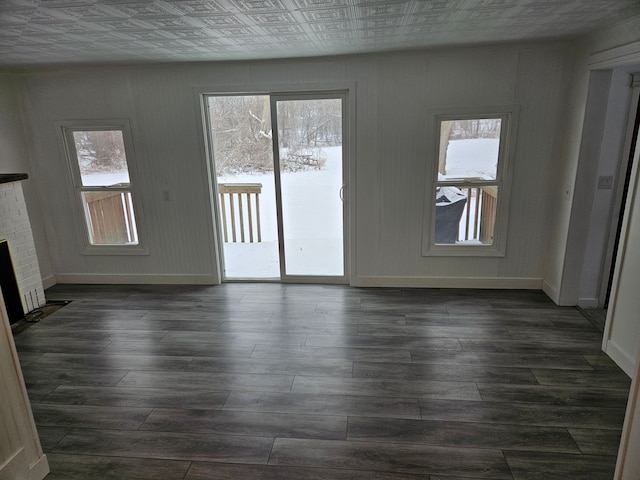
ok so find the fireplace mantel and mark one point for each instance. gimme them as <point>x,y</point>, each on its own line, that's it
<point>12,177</point>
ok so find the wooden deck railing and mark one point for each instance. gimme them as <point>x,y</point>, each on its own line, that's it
<point>479,216</point>
<point>110,218</point>
<point>239,198</point>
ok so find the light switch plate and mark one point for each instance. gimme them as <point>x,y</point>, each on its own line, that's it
<point>605,182</point>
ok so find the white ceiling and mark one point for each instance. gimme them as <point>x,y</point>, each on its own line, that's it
<point>40,32</point>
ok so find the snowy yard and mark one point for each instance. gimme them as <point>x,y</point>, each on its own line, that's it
<point>312,220</point>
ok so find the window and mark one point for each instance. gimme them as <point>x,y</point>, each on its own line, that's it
<point>100,159</point>
<point>467,204</point>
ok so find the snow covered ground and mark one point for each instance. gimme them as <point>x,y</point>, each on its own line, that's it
<point>473,158</point>
<point>312,220</point>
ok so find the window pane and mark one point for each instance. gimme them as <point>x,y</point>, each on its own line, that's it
<point>469,149</point>
<point>110,218</point>
<point>243,157</point>
<point>101,157</point>
<point>465,215</point>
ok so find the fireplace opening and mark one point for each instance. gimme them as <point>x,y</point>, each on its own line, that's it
<point>9,285</point>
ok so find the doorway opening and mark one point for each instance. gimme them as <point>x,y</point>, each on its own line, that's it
<point>279,180</point>
<point>626,170</point>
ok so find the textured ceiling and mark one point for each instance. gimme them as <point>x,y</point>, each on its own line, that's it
<point>39,32</point>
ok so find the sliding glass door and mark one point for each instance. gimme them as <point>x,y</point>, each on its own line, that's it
<point>308,154</point>
<point>280,186</point>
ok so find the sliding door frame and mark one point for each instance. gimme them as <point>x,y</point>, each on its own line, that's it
<point>284,276</point>
<point>346,91</point>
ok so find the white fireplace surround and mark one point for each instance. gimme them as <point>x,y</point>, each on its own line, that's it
<point>16,229</point>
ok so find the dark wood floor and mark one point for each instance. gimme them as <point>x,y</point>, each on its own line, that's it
<point>271,381</point>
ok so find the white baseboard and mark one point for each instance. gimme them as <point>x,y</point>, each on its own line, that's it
<point>18,467</point>
<point>135,279</point>
<point>39,469</point>
<point>620,357</point>
<point>14,466</point>
<point>551,292</point>
<point>450,282</point>
<point>588,302</point>
<point>48,281</point>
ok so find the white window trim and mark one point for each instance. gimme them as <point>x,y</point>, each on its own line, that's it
<point>509,116</point>
<point>65,130</point>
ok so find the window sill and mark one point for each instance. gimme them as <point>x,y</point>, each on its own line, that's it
<point>462,250</point>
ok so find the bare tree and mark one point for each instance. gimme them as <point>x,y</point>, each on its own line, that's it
<point>101,150</point>
<point>243,140</point>
<point>445,135</point>
<point>242,134</point>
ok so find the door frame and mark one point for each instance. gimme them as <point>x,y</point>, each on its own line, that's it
<point>348,91</point>
<point>622,180</point>
<point>624,359</point>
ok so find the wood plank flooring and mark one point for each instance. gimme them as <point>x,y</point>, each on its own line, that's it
<point>276,382</point>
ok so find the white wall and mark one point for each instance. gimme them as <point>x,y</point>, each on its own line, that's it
<point>563,182</point>
<point>584,183</point>
<point>390,246</point>
<point>586,117</point>
<point>393,93</point>
<point>166,141</point>
<point>14,158</point>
